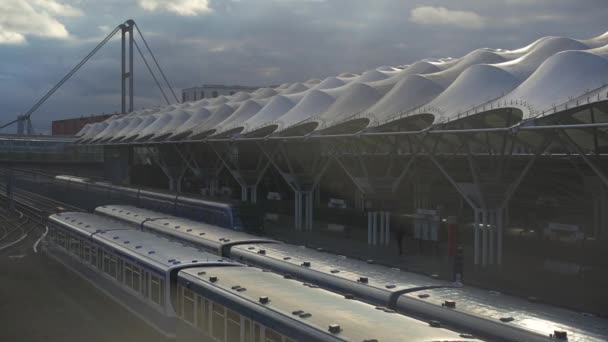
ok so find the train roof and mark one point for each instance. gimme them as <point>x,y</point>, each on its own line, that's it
<point>152,192</point>
<point>378,276</point>
<point>149,248</point>
<point>523,314</point>
<point>129,213</point>
<point>526,315</point>
<point>86,223</point>
<point>190,230</point>
<point>357,321</point>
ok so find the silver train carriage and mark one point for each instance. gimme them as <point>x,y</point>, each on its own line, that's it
<point>226,214</point>
<point>210,237</point>
<point>488,314</point>
<point>248,304</point>
<point>137,269</point>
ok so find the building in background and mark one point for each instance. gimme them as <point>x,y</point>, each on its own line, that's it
<point>212,90</point>
<point>72,126</point>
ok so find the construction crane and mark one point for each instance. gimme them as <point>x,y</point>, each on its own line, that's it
<point>127,29</point>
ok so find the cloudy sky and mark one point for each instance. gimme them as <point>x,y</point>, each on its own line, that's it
<point>252,42</point>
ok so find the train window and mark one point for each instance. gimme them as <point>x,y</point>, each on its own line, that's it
<point>155,289</point>
<point>144,287</point>
<point>162,292</point>
<point>233,327</point>
<point>188,306</point>
<point>218,322</point>
<point>86,251</point>
<point>272,336</point>
<point>110,264</point>
<point>92,255</point>
<point>202,306</point>
<point>113,269</point>
<point>75,246</point>
<point>247,335</point>
<point>99,257</point>
<point>257,332</point>
<point>105,262</point>
<point>119,268</point>
<point>136,278</point>
<point>128,275</point>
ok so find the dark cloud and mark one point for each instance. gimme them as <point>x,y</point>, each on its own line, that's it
<point>261,42</point>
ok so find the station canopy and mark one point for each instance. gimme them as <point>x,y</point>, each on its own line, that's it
<point>524,83</point>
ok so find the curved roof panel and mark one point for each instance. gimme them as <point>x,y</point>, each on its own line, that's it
<point>264,93</point>
<point>133,123</point>
<point>564,75</point>
<point>134,133</point>
<point>94,130</point>
<point>235,121</point>
<point>84,130</point>
<point>113,126</point>
<point>198,117</point>
<point>480,56</point>
<point>161,122</point>
<point>478,84</point>
<point>109,132</point>
<point>411,92</point>
<point>241,96</point>
<point>294,88</point>
<point>178,117</point>
<point>219,114</point>
<point>315,102</point>
<point>370,76</point>
<point>329,83</point>
<point>357,98</point>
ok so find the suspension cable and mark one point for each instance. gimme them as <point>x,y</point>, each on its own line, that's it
<point>65,78</point>
<point>151,72</point>
<point>156,62</point>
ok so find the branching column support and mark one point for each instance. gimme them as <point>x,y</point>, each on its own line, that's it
<point>174,172</point>
<point>599,196</point>
<point>489,218</point>
<point>385,184</point>
<point>304,184</point>
<point>247,179</point>
<point>598,171</point>
<point>189,159</point>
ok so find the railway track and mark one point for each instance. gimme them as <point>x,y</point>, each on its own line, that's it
<point>27,222</point>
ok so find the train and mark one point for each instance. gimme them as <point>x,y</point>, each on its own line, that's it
<point>192,295</point>
<point>487,314</point>
<point>227,214</point>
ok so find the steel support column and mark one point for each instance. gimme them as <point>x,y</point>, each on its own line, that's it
<point>123,76</point>
<point>387,233</point>
<point>131,71</point>
<point>476,233</point>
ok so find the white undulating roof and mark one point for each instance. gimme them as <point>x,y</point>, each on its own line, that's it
<point>535,80</point>
<point>178,118</point>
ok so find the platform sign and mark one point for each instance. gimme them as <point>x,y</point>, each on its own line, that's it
<point>274,196</point>
<point>563,232</point>
<point>336,203</point>
<point>426,225</point>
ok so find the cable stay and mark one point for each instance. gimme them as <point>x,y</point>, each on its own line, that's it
<point>127,25</point>
<point>156,62</point>
<point>27,115</point>
<point>151,72</point>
